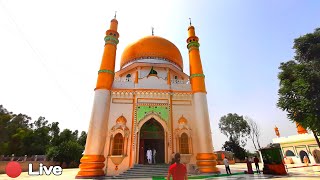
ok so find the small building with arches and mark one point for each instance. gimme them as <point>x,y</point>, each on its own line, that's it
<point>295,147</point>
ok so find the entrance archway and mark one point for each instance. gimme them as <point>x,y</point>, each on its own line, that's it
<point>152,135</point>
<point>316,155</point>
<point>302,154</point>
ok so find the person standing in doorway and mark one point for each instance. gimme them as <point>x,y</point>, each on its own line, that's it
<point>226,164</point>
<point>154,155</point>
<point>177,170</point>
<point>306,160</point>
<point>256,162</point>
<point>149,156</point>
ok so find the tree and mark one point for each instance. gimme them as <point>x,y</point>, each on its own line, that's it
<point>83,138</point>
<point>67,151</point>
<point>13,128</point>
<point>254,133</point>
<point>299,92</point>
<point>235,128</point>
<point>20,136</point>
<point>54,133</point>
<point>41,137</point>
<point>67,146</point>
<point>233,146</point>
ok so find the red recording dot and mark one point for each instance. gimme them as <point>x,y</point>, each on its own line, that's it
<point>13,169</point>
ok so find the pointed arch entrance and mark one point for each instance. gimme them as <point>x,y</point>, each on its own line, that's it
<point>151,135</point>
<point>302,154</point>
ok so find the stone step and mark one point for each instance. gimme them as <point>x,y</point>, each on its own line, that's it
<point>149,169</point>
<point>126,172</point>
<point>150,166</point>
<point>133,177</point>
<point>143,171</point>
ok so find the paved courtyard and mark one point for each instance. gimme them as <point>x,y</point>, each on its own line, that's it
<point>294,173</point>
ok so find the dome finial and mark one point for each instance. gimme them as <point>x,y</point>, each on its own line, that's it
<point>190,21</point>
<point>152,29</point>
<point>115,14</point>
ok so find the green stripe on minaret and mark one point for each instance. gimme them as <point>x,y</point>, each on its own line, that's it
<point>112,39</point>
<point>106,71</point>
<point>197,75</point>
<point>193,44</point>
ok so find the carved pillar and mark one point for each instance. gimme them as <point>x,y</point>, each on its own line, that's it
<point>125,146</point>
<point>178,145</point>
<point>191,146</point>
<point>111,145</point>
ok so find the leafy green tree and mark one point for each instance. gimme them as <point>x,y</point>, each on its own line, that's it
<point>5,117</point>
<point>83,138</point>
<point>67,146</point>
<point>20,136</point>
<point>235,127</point>
<point>233,146</point>
<point>299,92</point>
<point>68,135</point>
<point>54,133</point>
<point>15,130</point>
<point>67,151</point>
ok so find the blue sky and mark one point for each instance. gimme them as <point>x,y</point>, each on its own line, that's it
<point>51,51</point>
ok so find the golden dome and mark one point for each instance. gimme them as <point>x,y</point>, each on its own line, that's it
<point>182,120</point>
<point>121,120</point>
<point>152,47</point>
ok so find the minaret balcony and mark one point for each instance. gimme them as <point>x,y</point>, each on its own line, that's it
<point>179,81</point>
<point>152,83</point>
<point>123,83</point>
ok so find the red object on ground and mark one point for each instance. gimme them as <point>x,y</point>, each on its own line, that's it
<point>178,171</point>
<point>13,169</point>
<point>277,169</point>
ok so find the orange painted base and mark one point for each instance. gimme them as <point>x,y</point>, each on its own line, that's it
<point>207,163</point>
<point>278,169</point>
<point>91,166</point>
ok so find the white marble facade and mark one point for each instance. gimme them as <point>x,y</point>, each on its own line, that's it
<point>164,101</point>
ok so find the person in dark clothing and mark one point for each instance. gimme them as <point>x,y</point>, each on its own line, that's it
<point>256,162</point>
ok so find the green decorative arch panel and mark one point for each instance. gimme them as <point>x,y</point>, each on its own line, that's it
<point>161,111</point>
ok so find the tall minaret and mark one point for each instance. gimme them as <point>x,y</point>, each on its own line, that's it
<point>206,159</point>
<point>92,162</point>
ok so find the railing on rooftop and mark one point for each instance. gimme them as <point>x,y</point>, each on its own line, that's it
<point>128,83</point>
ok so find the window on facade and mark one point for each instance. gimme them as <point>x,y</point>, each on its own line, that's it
<point>117,145</point>
<point>289,153</point>
<point>184,146</point>
<point>128,77</point>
